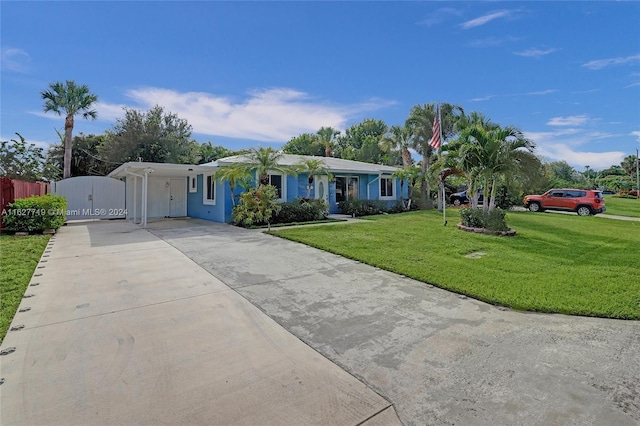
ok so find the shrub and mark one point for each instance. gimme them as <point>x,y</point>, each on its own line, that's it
<point>358,207</point>
<point>35,214</point>
<point>256,206</point>
<point>300,211</point>
<point>494,220</point>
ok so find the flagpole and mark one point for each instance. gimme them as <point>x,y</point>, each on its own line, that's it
<point>444,198</point>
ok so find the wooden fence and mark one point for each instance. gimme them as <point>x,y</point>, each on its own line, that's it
<point>12,190</point>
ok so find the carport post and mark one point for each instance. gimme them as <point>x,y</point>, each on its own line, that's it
<point>135,194</point>
<point>145,182</point>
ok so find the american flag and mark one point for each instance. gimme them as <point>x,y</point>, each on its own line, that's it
<point>436,140</point>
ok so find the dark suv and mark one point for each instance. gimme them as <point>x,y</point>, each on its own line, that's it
<point>459,198</point>
<point>585,202</point>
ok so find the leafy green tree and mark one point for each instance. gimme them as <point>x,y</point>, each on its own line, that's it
<point>85,158</point>
<point>153,136</point>
<point>363,142</point>
<point>24,161</point>
<point>236,175</point>
<point>314,167</point>
<point>420,122</point>
<point>209,152</point>
<point>629,165</point>
<point>305,144</point>
<point>69,99</point>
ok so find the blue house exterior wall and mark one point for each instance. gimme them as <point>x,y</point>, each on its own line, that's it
<point>296,187</point>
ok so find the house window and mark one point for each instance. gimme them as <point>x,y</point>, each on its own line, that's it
<point>346,188</point>
<point>386,187</point>
<point>278,180</point>
<point>209,193</point>
<point>193,184</point>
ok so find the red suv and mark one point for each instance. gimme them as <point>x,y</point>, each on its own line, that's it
<point>585,202</point>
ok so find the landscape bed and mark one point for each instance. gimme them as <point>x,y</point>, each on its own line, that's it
<point>556,263</point>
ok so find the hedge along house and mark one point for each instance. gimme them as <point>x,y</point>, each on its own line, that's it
<point>157,190</point>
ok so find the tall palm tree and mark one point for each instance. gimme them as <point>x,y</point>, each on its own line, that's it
<point>314,167</point>
<point>400,138</point>
<point>327,136</point>
<point>70,99</point>
<point>236,175</point>
<point>420,122</point>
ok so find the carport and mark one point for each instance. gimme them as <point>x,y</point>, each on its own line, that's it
<point>157,190</point>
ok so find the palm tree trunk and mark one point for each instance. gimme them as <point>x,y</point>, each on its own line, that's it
<point>68,130</point>
<point>233,196</point>
<point>406,157</point>
<point>492,202</point>
<point>327,150</point>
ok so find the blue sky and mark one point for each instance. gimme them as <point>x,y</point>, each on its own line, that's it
<point>258,73</point>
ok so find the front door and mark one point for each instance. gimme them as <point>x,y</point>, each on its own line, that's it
<point>177,198</point>
<point>322,189</point>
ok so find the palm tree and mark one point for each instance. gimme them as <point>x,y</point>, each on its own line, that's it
<point>265,160</point>
<point>237,175</point>
<point>314,167</point>
<point>489,152</point>
<point>400,138</point>
<point>420,122</point>
<point>326,137</point>
<point>70,99</point>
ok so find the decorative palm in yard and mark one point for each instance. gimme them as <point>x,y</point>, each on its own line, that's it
<point>314,167</point>
<point>236,175</point>
<point>69,99</point>
<point>265,160</point>
<point>400,138</point>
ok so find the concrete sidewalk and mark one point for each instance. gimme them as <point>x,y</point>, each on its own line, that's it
<point>440,358</point>
<point>125,329</point>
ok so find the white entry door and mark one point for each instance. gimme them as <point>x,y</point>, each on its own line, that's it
<point>177,197</point>
<point>322,189</point>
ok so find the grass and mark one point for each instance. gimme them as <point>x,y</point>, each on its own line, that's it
<point>622,206</point>
<point>19,257</point>
<point>282,225</point>
<point>556,263</point>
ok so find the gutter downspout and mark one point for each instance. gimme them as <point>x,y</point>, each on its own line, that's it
<point>368,197</point>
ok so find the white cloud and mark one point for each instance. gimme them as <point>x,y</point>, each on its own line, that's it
<point>636,134</point>
<point>270,115</point>
<point>572,120</point>
<point>535,93</point>
<point>535,53</point>
<point>13,59</point>
<point>484,19</point>
<point>603,63</point>
<point>439,15</point>
<point>562,145</point>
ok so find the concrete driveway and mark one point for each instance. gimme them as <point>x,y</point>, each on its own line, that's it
<point>440,358</point>
<point>124,329</point>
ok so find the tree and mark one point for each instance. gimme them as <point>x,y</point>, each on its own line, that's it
<point>23,161</point>
<point>363,142</point>
<point>85,158</point>
<point>400,138</point>
<point>629,165</point>
<point>313,167</point>
<point>262,161</point>
<point>326,138</point>
<point>153,136</point>
<point>69,99</point>
<point>420,122</point>
<point>237,175</point>
<point>209,152</point>
<point>490,152</point>
<point>257,206</point>
<point>305,144</point>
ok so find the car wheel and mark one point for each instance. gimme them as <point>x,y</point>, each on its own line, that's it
<point>457,202</point>
<point>584,211</point>
<point>534,207</point>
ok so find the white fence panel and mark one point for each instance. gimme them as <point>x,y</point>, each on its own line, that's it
<point>93,197</point>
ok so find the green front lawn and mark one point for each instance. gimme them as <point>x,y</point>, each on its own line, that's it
<point>19,257</point>
<point>622,206</point>
<point>556,263</point>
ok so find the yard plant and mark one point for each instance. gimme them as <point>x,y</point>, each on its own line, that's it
<point>556,263</point>
<point>19,257</point>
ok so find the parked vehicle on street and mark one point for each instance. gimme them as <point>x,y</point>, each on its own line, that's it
<point>459,198</point>
<point>585,202</point>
